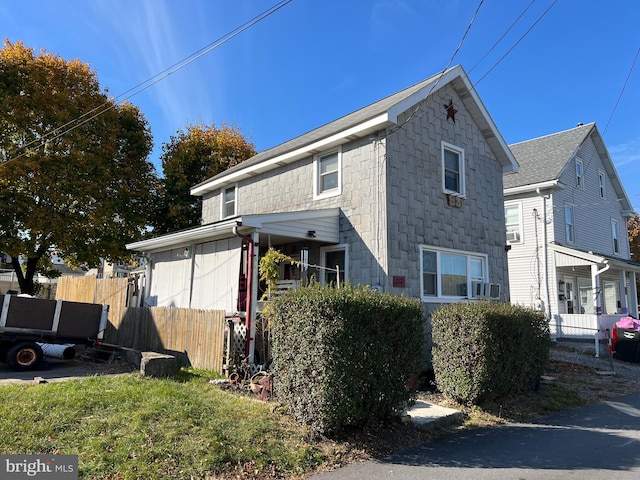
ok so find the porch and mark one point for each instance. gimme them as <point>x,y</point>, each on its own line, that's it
<point>584,327</point>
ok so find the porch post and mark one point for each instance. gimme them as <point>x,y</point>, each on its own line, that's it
<point>595,288</point>
<point>624,290</point>
<point>597,305</point>
<point>633,296</point>
<point>255,237</point>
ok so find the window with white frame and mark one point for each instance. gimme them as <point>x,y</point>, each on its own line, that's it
<point>569,224</point>
<point>616,236</point>
<point>602,185</point>
<point>513,222</point>
<point>453,169</point>
<point>579,174</point>
<point>448,274</point>
<point>334,263</point>
<point>328,175</point>
<point>229,202</point>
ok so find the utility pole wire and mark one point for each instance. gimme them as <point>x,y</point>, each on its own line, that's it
<point>142,86</point>
<point>621,92</point>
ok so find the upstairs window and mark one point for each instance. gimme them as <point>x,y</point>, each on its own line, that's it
<point>327,171</point>
<point>569,225</point>
<point>602,185</point>
<point>452,169</point>
<point>579,174</point>
<point>615,236</point>
<point>229,202</point>
<point>512,220</point>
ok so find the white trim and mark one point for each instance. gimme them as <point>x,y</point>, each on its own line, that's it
<point>579,178</point>
<point>333,248</point>
<point>573,224</point>
<point>223,203</point>
<point>439,298</point>
<point>317,194</point>
<point>224,228</point>
<point>615,235</point>
<point>460,151</point>
<point>551,185</point>
<point>339,138</point>
<point>517,204</point>
<point>602,188</point>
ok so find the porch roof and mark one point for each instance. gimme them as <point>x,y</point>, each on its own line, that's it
<point>315,225</point>
<point>573,257</point>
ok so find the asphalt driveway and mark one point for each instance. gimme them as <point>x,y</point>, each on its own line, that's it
<point>55,369</point>
<point>589,443</point>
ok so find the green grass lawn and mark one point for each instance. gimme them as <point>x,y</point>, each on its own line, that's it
<point>129,427</point>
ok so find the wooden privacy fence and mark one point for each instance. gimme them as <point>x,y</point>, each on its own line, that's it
<point>194,336</point>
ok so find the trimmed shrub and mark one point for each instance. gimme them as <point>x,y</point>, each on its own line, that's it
<point>487,351</point>
<point>341,357</point>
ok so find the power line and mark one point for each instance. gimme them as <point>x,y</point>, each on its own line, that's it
<point>473,85</point>
<point>621,92</point>
<point>502,36</point>
<point>455,53</point>
<point>142,86</point>
<point>517,42</point>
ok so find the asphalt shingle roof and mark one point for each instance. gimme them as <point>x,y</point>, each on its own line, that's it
<point>542,159</point>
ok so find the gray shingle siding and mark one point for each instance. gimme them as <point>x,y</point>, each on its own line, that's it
<point>418,212</point>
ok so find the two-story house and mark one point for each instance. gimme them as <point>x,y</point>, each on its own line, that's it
<point>566,214</point>
<point>404,195</point>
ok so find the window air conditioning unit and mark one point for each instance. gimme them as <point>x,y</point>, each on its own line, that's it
<point>485,290</point>
<point>478,289</point>
<point>494,291</point>
<point>513,236</point>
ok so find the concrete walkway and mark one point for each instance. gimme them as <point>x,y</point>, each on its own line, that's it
<point>427,415</point>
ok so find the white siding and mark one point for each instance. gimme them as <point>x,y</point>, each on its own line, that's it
<point>170,278</point>
<point>216,273</point>
<point>526,259</point>
<point>592,214</point>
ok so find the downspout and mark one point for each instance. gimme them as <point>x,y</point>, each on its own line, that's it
<point>247,314</point>
<point>545,250</point>
<point>595,282</point>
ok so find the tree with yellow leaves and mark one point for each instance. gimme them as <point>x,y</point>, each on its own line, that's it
<point>191,157</point>
<point>74,169</point>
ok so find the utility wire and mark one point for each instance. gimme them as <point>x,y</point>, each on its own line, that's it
<point>455,53</point>
<point>107,106</point>
<point>517,42</point>
<point>473,85</point>
<point>503,35</point>
<point>621,92</point>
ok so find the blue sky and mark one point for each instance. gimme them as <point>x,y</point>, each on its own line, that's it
<point>313,61</point>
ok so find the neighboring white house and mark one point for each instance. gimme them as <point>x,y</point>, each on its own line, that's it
<point>404,195</point>
<point>566,214</point>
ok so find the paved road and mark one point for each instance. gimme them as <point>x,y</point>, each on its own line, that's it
<point>596,442</point>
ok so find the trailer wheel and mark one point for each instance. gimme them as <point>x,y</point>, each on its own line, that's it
<point>25,356</point>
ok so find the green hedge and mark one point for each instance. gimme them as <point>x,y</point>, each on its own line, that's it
<point>487,351</point>
<point>341,357</point>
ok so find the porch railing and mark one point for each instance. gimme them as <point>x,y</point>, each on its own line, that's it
<point>584,327</point>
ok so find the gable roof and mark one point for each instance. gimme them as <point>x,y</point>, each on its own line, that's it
<point>364,122</point>
<point>542,160</point>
